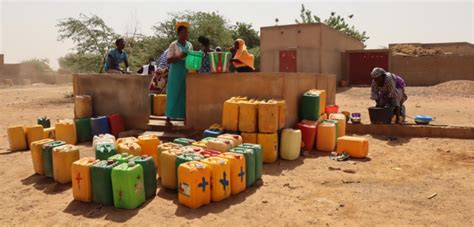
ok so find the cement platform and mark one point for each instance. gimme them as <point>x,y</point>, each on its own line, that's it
<point>412,130</point>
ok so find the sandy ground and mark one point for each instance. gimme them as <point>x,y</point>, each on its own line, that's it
<point>390,187</point>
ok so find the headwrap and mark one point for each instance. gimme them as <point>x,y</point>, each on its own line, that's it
<point>243,56</point>
<point>182,24</point>
<point>376,72</point>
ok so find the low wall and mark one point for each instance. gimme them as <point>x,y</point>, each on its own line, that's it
<point>116,93</point>
<point>206,93</point>
<point>432,131</point>
<point>432,70</point>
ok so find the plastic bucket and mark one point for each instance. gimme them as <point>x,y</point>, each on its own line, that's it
<point>194,60</point>
<point>380,115</point>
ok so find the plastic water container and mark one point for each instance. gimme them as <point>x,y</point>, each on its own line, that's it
<point>248,116</point>
<point>221,145</point>
<point>116,124</point>
<point>83,129</point>
<point>355,146</point>
<point>48,157</point>
<point>219,61</point>
<point>121,158</point>
<point>83,106</point>
<point>268,116</point>
<point>17,138</point>
<point>81,179</point>
<point>212,132</point>
<point>290,144</point>
<point>159,104</point>
<point>34,133</point>
<point>194,60</point>
<point>249,137</point>
<point>308,133</point>
<point>194,184</point>
<point>257,151</point>
<point>100,125</point>
<point>332,109</point>
<point>37,155</point>
<point>192,149</point>
<point>101,182</point>
<point>341,123</point>
<point>269,144</point>
<point>380,115</point>
<point>237,171</point>
<point>167,167</point>
<point>184,141</point>
<point>310,105</point>
<point>237,139</point>
<point>326,136</point>
<point>187,157</point>
<point>103,138</point>
<point>281,113</point>
<point>210,153</point>
<point>149,174</point>
<point>423,119</point>
<point>66,131</point>
<point>63,157</point>
<point>44,121</point>
<point>132,148</point>
<point>201,144</point>
<point>128,185</point>
<point>104,151</point>
<point>220,175</point>
<point>164,147</point>
<point>230,115</point>
<point>149,145</point>
<point>322,100</point>
<point>250,163</point>
<point>130,139</point>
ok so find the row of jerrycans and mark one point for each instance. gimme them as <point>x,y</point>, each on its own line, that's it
<point>54,159</point>
<point>123,180</point>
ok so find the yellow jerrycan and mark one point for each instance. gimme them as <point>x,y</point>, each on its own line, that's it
<point>249,137</point>
<point>83,106</point>
<point>159,104</point>
<point>219,144</point>
<point>37,154</point>
<point>326,134</point>
<point>66,131</point>
<point>281,113</point>
<point>164,147</point>
<point>194,184</point>
<point>341,123</point>
<point>237,171</point>
<point>149,145</point>
<point>34,133</point>
<point>354,146</point>
<point>230,115</point>
<point>81,179</point>
<point>168,168</point>
<point>268,116</point>
<point>17,138</point>
<point>248,116</point>
<point>236,138</point>
<point>290,144</point>
<point>63,157</point>
<point>49,133</point>
<point>220,178</point>
<point>269,144</point>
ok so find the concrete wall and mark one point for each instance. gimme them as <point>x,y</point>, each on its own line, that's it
<point>2,60</point>
<point>431,70</point>
<point>116,93</point>
<point>206,93</point>
<point>319,48</point>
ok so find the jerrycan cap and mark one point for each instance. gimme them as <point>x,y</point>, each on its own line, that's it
<point>226,142</point>
<point>235,136</point>
<point>199,166</point>
<point>144,156</point>
<point>196,149</point>
<point>221,162</point>
<point>110,162</point>
<point>131,163</point>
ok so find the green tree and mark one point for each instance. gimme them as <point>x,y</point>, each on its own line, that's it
<point>40,64</point>
<point>335,21</point>
<point>80,62</point>
<point>247,33</point>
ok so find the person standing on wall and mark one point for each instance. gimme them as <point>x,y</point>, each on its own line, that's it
<point>243,61</point>
<point>176,86</point>
<point>115,57</point>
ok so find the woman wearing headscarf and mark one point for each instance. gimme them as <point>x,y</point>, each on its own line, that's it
<point>388,90</point>
<point>243,61</point>
<point>176,87</point>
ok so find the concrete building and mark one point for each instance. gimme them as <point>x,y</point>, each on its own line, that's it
<point>310,48</point>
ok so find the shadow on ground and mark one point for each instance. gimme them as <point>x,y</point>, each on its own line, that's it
<point>45,184</point>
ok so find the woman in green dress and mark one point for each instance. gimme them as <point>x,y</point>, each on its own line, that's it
<point>176,87</point>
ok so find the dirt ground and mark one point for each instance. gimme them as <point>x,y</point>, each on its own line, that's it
<point>392,186</point>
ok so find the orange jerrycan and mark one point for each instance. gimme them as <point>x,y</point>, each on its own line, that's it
<point>168,168</point>
<point>34,133</point>
<point>248,116</point>
<point>341,123</point>
<point>49,133</point>
<point>159,104</point>
<point>269,144</point>
<point>17,138</point>
<point>149,145</point>
<point>268,116</point>
<point>66,131</point>
<point>83,106</point>
<point>281,113</point>
<point>237,171</point>
<point>194,189</point>
<point>164,147</point>
<point>322,100</point>
<point>130,148</point>
<point>230,115</point>
<point>355,146</point>
<point>326,136</point>
<point>201,144</point>
<point>236,138</point>
<point>63,157</point>
<point>220,178</point>
<point>249,137</point>
<point>81,179</point>
<point>37,154</point>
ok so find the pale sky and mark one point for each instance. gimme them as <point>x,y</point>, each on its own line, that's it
<point>27,28</point>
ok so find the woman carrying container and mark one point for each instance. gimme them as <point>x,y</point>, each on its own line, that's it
<point>176,87</point>
<point>243,61</point>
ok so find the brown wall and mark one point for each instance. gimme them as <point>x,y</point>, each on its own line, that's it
<point>318,47</point>
<point>455,48</point>
<point>206,93</point>
<point>115,93</point>
<point>2,60</point>
<point>431,70</point>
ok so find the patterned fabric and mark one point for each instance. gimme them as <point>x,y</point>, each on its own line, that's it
<point>114,58</point>
<point>206,64</point>
<point>163,60</point>
<point>387,91</point>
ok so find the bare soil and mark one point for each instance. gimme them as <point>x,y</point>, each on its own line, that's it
<point>409,181</point>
